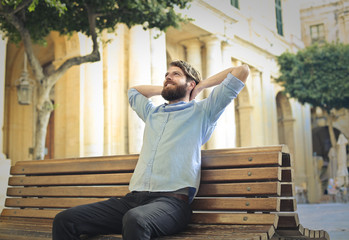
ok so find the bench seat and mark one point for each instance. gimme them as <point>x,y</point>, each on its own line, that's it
<point>245,193</point>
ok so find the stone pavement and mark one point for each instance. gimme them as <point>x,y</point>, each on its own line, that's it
<point>332,217</point>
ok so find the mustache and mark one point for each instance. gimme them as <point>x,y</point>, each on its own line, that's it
<point>169,82</point>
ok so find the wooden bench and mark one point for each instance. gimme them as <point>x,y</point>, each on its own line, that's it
<point>245,193</point>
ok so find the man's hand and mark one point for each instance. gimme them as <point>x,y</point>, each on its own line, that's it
<point>241,72</point>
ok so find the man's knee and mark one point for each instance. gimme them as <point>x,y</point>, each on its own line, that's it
<point>135,225</point>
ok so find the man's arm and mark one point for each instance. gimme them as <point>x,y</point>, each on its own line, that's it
<point>148,90</point>
<point>240,72</point>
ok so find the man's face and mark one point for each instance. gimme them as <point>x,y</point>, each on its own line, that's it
<point>175,84</point>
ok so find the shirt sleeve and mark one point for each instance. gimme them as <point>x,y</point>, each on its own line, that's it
<point>139,103</point>
<point>221,96</point>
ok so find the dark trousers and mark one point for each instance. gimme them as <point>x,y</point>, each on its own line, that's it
<point>138,215</point>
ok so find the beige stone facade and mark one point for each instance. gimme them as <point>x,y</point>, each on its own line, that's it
<point>92,116</point>
<point>327,21</point>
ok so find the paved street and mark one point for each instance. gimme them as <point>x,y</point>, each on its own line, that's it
<point>332,217</point>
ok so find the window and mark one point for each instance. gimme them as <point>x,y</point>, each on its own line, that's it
<point>317,33</point>
<point>235,3</point>
<point>278,13</point>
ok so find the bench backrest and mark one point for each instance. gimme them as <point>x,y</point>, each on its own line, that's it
<point>238,186</point>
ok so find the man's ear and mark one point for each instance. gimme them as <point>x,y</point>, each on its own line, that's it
<point>191,84</point>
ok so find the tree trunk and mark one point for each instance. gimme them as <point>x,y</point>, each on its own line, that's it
<point>330,128</point>
<point>42,119</point>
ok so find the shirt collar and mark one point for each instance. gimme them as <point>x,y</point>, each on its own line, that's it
<point>177,106</point>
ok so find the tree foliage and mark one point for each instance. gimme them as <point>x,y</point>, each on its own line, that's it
<point>65,16</point>
<point>31,21</point>
<point>318,74</point>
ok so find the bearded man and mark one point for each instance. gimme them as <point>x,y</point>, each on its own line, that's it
<point>167,174</point>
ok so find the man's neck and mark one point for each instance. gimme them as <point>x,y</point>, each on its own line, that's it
<point>185,99</point>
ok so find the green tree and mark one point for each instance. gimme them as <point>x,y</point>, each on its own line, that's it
<point>30,21</point>
<point>318,75</point>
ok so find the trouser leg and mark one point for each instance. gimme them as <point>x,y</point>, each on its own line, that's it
<point>157,217</point>
<point>96,218</point>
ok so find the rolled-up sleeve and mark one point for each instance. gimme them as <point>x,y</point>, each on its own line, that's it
<point>221,96</point>
<point>139,103</point>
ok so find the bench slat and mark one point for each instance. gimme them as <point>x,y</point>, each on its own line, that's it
<point>235,218</point>
<point>194,231</point>
<point>75,167</point>
<point>216,175</point>
<point>201,218</point>
<point>206,190</point>
<point>115,191</point>
<point>237,204</point>
<point>49,202</point>
<point>240,189</point>
<point>225,160</point>
<point>66,180</point>
<point>223,204</point>
<point>117,165</point>
<point>225,230</point>
<point>241,174</point>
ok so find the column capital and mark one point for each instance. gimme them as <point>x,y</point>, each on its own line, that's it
<point>255,73</point>
<point>209,39</point>
<point>192,42</point>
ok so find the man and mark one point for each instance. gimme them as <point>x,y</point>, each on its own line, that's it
<point>167,174</point>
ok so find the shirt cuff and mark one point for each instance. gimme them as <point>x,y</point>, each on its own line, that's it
<point>233,83</point>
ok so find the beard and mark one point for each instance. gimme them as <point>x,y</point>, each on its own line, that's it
<point>171,94</point>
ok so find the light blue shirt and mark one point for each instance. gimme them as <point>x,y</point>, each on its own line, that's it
<point>170,158</point>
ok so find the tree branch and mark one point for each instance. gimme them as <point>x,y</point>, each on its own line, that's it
<point>94,56</point>
<point>26,38</point>
<point>22,5</point>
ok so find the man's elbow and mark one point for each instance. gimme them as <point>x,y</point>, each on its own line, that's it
<point>241,72</point>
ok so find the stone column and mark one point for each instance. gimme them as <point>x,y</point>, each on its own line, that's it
<point>115,99</point>
<point>229,113</point>
<point>193,50</point>
<point>158,61</point>
<point>5,164</point>
<point>91,75</point>
<point>139,73</point>
<point>269,108</point>
<point>314,183</point>
<point>245,125</point>
<point>258,118</point>
<point>213,66</point>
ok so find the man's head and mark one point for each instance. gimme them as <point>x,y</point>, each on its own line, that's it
<point>190,72</point>
<point>180,79</point>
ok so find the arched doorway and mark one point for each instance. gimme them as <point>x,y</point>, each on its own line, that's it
<point>243,119</point>
<point>285,122</point>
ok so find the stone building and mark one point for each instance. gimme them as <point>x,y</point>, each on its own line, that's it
<point>92,116</point>
<point>326,21</point>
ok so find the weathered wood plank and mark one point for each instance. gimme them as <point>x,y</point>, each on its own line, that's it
<point>235,218</point>
<point>241,174</point>
<point>49,202</point>
<point>67,180</point>
<point>107,166</point>
<point>240,189</point>
<point>225,160</point>
<point>202,218</point>
<point>237,204</point>
<point>221,204</point>
<point>117,164</point>
<point>115,191</point>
